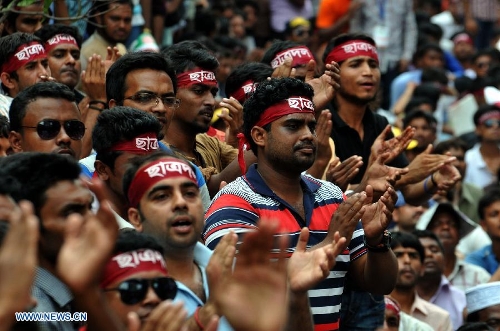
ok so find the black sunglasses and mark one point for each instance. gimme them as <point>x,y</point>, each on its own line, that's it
<point>134,290</point>
<point>148,98</point>
<point>49,129</point>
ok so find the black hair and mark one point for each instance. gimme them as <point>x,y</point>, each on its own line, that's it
<point>276,47</point>
<point>484,109</point>
<point>4,127</point>
<point>446,145</point>
<point>428,234</point>
<point>430,91</point>
<point>408,240</point>
<point>493,76</point>
<point>128,241</point>
<point>343,38</point>
<point>464,84</point>
<point>418,113</point>
<point>434,75</point>
<point>37,172</point>
<point>267,94</point>
<point>241,4</point>
<point>255,71</point>
<point>117,74</point>
<point>10,43</point>
<point>431,29</point>
<point>416,102</point>
<point>12,15</point>
<point>473,324</point>
<point>491,52</point>
<point>137,162</point>
<point>50,30</point>
<point>424,49</point>
<point>30,94</point>
<point>117,125</point>
<point>489,197</point>
<point>189,54</point>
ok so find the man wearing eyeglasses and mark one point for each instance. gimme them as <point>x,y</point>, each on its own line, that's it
<point>45,118</point>
<point>483,160</point>
<point>24,63</point>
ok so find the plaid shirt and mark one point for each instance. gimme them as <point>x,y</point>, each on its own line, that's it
<point>52,295</point>
<point>466,275</point>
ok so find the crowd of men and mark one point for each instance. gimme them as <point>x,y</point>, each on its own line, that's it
<point>167,165</point>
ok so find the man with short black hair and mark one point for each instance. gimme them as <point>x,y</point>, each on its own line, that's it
<point>45,118</point>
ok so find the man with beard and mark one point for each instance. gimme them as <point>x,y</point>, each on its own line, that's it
<point>197,87</point>
<point>114,19</point>
<point>62,44</point>
<point>410,254</point>
<point>279,127</point>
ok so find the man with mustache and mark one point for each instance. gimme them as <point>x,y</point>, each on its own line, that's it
<point>45,118</point>
<point>24,63</point>
<point>280,127</point>
<point>410,254</point>
<point>62,44</point>
<point>197,87</point>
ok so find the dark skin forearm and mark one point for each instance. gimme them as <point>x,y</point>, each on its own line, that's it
<point>299,313</point>
<point>375,272</point>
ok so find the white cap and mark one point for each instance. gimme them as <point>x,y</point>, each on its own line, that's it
<point>483,296</point>
<point>465,224</point>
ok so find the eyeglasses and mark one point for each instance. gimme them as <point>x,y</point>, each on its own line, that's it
<point>483,65</point>
<point>148,98</point>
<point>134,290</point>
<point>49,129</point>
<point>491,123</point>
<point>301,32</point>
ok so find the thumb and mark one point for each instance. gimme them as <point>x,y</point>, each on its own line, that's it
<point>133,322</point>
<point>303,239</point>
<point>428,150</point>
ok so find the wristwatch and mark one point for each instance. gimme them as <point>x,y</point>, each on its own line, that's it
<point>383,246</point>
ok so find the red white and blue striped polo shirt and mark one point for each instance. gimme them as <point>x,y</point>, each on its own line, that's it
<point>239,206</point>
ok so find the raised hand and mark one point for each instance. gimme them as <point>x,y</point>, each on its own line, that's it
<point>346,217</point>
<point>393,146</point>
<point>284,70</point>
<point>112,55</point>
<point>341,173</point>
<point>306,268</point>
<point>233,117</point>
<point>378,215</point>
<point>446,177</point>
<point>88,243</point>
<point>94,79</point>
<point>423,165</point>
<point>18,260</point>
<point>324,86</point>
<point>323,150</point>
<point>253,298</point>
<point>380,176</point>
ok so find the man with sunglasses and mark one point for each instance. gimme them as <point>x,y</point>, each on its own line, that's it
<point>483,160</point>
<point>24,63</point>
<point>45,118</point>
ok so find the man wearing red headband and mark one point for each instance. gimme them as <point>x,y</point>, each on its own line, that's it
<point>464,50</point>
<point>279,127</point>
<point>24,63</point>
<point>280,51</point>
<point>62,44</point>
<point>196,89</point>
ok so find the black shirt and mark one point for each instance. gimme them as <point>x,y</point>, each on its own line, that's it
<point>348,142</point>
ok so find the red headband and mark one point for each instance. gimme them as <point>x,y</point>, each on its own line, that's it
<point>150,174</point>
<point>59,39</point>
<point>196,76</point>
<point>24,54</point>
<point>489,115</point>
<point>392,305</point>
<point>463,37</point>
<point>299,55</point>
<point>143,144</point>
<point>351,49</point>
<point>292,105</point>
<point>129,263</point>
<point>244,92</point>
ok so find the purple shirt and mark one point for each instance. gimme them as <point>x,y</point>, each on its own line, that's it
<point>450,299</point>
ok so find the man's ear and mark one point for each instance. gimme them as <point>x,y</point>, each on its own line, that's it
<point>135,219</point>
<point>102,170</point>
<point>258,135</point>
<point>112,103</point>
<point>7,80</point>
<point>16,141</point>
